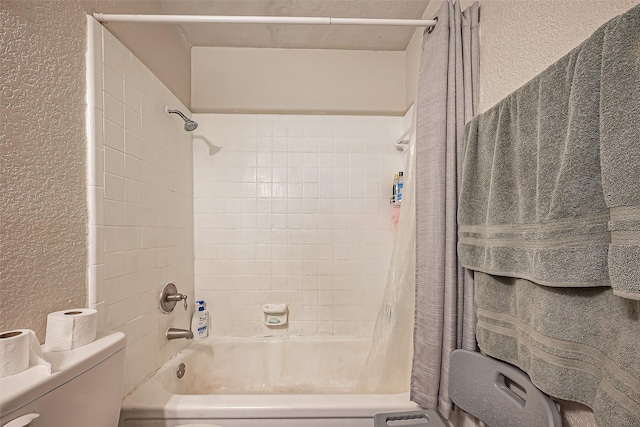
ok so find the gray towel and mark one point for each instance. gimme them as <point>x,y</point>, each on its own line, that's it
<point>549,211</point>
<point>532,200</point>
<point>620,149</point>
<point>567,341</point>
<point>531,203</point>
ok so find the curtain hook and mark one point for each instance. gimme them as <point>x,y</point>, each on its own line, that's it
<point>430,29</point>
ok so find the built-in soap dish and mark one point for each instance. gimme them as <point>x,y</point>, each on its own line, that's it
<point>275,315</point>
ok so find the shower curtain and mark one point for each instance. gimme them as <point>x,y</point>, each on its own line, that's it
<point>388,364</point>
<point>446,100</point>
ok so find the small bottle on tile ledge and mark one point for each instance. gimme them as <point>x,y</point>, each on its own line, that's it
<point>399,187</point>
<point>200,322</point>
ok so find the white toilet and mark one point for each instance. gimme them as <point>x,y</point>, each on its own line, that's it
<point>84,388</point>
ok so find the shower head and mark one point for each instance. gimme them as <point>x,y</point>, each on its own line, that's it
<point>189,125</point>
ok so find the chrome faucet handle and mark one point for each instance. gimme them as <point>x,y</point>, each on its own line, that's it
<point>170,297</point>
<point>177,297</point>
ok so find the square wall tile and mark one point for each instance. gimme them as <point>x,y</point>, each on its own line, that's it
<point>140,198</point>
<point>305,201</point>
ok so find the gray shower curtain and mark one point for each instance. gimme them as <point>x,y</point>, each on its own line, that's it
<point>446,100</point>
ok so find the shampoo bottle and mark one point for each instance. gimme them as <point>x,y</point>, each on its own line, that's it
<point>394,197</point>
<point>200,322</point>
<point>399,187</point>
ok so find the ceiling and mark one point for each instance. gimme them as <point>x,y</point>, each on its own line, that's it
<point>299,36</point>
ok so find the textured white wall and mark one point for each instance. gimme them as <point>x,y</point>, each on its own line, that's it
<point>520,38</point>
<point>140,205</point>
<point>43,226</point>
<point>42,192</point>
<point>294,209</point>
<point>297,81</point>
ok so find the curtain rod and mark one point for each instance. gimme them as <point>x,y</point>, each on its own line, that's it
<point>183,19</point>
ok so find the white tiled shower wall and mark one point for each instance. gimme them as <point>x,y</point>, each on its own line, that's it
<point>140,203</point>
<point>288,209</point>
<point>293,209</point>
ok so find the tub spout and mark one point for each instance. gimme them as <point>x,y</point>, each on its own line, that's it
<point>175,333</point>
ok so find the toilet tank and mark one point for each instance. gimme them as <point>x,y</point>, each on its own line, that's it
<point>83,389</point>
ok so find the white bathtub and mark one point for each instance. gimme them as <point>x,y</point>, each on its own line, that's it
<point>265,382</point>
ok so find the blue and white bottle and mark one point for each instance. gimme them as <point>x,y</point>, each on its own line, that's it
<point>200,322</point>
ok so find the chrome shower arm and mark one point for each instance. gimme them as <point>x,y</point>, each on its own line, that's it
<point>178,112</point>
<point>189,125</point>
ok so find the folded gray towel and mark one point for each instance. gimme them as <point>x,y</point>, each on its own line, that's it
<point>551,174</point>
<point>567,340</point>
<point>531,202</point>
<point>551,196</point>
<point>620,149</point>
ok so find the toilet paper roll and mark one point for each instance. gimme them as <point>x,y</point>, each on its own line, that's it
<point>20,349</point>
<point>69,329</point>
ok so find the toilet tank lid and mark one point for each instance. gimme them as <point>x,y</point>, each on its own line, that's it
<point>23,388</point>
